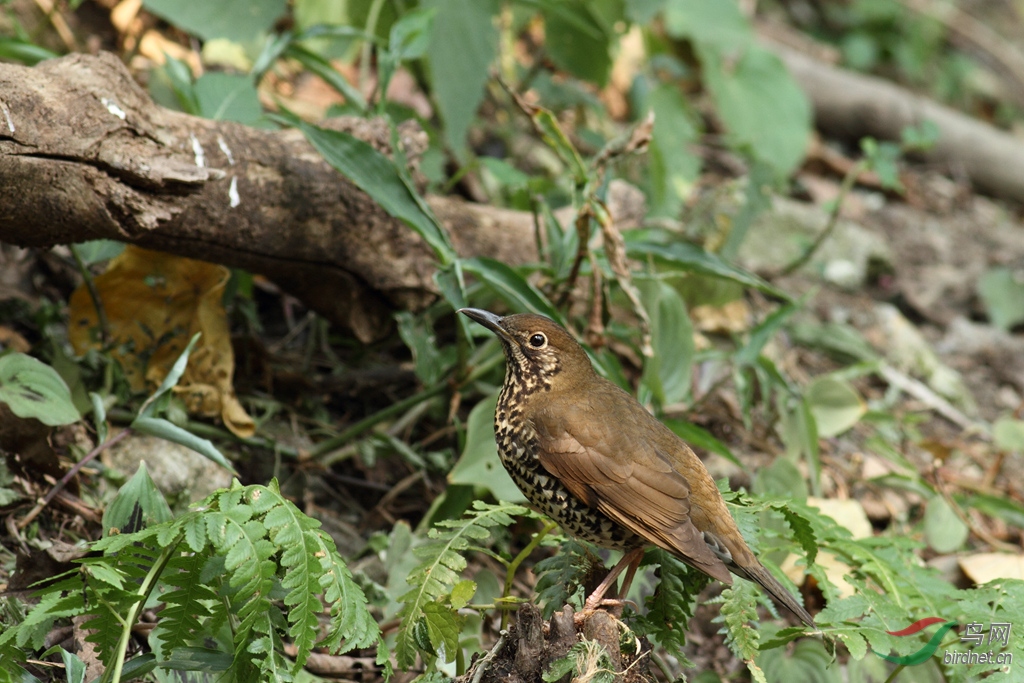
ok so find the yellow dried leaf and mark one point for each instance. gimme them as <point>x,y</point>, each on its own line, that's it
<point>154,303</point>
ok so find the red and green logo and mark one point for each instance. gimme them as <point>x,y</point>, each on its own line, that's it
<point>930,647</point>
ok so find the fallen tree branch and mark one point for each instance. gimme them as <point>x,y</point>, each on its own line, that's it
<point>85,154</point>
<point>850,105</point>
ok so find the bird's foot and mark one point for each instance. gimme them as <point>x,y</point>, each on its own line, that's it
<point>614,605</point>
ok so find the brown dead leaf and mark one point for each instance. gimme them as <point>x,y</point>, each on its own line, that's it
<point>984,567</point>
<point>155,302</point>
<point>733,317</point>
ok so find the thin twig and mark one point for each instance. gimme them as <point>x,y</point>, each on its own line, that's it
<point>478,673</point>
<point>41,505</point>
<point>326,447</point>
<point>94,294</point>
<point>921,392</point>
<point>833,218</point>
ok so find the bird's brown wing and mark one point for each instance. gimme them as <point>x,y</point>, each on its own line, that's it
<point>629,482</point>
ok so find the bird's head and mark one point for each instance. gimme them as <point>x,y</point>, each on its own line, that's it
<point>539,351</point>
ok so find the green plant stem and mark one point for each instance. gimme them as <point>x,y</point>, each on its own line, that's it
<point>324,447</point>
<point>90,286</point>
<point>113,674</point>
<point>364,56</point>
<point>895,673</point>
<point>513,566</point>
<point>833,218</point>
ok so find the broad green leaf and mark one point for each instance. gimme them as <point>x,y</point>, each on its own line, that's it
<point>237,20</point>
<point>689,257</point>
<point>511,287</point>
<point>99,416</point>
<point>138,491</point>
<point>377,176</point>
<point>443,630</point>
<point>479,464</point>
<point>463,44</point>
<point>462,593</point>
<point>838,339</point>
<point>943,529</point>
<point>764,110</point>
<point>156,426</point>
<point>197,659</point>
<point>835,405</point>
<point>701,438</point>
<point>1008,510</point>
<point>1002,292</point>
<point>177,370</point>
<point>1008,434</point>
<point>74,668</point>
<point>95,251</point>
<point>760,335</point>
<point>576,42</point>
<point>431,360</point>
<point>643,11</point>
<point>781,478</point>
<point>228,97</point>
<point>674,167</point>
<point>32,389</point>
<point>807,662</point>
<point>667,373</point>
<point>323,68</point>
<point>800,435</point>
<point>718,24</point>
<point>411,35</point>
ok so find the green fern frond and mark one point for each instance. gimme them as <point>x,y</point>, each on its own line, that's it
<point>562,575</point>
<point>295,532</point>
<point>351,621</point>
<point>441,563</point>
<point>186,608</point>
<point>739,608</point>
<point>670,608</point>
<point>62,599</point>
<point>219,565</point>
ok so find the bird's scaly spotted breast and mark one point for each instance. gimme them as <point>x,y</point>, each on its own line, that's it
<point>517,447</point>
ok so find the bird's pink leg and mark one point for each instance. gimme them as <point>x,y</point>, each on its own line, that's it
<point>631,560</point>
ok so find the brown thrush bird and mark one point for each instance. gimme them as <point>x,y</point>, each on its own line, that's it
<point>589,456</point>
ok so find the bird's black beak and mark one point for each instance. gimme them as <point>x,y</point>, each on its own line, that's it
<point>488,320</point>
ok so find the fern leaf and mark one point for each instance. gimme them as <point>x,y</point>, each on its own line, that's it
<point>440,566</point>
<point>351,621</point>
<point>561,576</point>
<point>186,607</point>
<point>62,599</point>
<point>739,608</point>
<point>293,531</point>
<point>671,607</point>
<point>802,530</point>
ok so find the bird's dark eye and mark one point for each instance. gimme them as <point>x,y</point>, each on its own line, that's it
<point>538,340</point>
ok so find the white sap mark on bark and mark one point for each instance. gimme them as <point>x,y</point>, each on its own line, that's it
<point>233,192</point>
<point>7,116</point>
<point>113,108</point>
<point>227,150</point>
<point>197,149</point>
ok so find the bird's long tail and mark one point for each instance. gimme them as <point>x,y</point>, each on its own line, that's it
<point>764,578</point>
